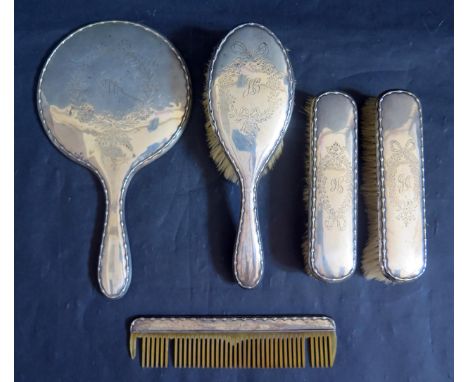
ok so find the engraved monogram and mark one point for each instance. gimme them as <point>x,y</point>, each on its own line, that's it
<point>253,87</point>
<point>403,180</point>
<point>335,186</point>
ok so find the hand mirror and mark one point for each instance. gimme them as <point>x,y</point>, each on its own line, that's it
<point>114,96</point>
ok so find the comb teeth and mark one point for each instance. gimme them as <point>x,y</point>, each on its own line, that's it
<point>234,350</point>
<point>154,351</point>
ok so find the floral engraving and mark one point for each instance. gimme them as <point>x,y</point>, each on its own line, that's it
<point>249,76</point>
<point>335,186</point>
<point>112,137</point>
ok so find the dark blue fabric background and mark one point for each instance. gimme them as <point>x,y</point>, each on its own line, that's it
<point>182,214</point>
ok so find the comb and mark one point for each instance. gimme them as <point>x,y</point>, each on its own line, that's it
<point>234,342</point>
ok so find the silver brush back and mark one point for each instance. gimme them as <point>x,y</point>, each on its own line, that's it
<point>398,232</point>
<point>249,102</point>
<point>331,194</point>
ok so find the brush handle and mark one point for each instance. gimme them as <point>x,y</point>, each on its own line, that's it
<point>248,255</point>
<point>114,269</point>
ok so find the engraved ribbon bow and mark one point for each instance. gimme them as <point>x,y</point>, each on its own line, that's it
<point>239,47</point>
<point>405,152</point>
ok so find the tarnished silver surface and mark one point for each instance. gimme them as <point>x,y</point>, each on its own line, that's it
<point>402,232</point>
<point>250,94</point>
<point>333,198</point>
<point>231,324</point>
<point>114,96</point>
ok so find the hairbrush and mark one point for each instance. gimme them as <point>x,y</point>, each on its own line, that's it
<point>392,141</point>
<point>248,102</point>
<point>114,96</point>
<point>331,187</point>
<point>234,342</point>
